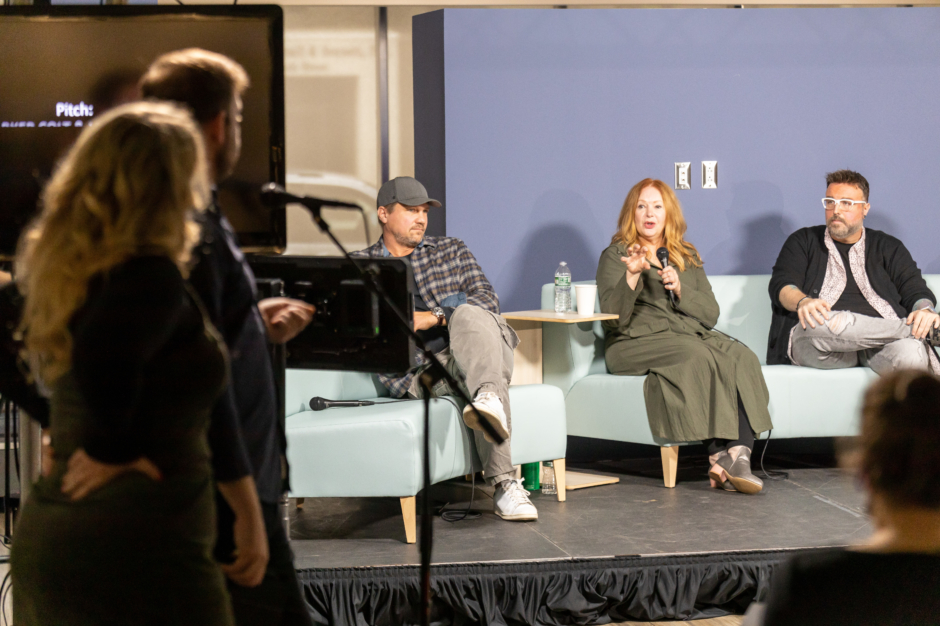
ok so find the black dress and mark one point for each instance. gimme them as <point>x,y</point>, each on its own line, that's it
<point>146,370</point>
<point>834,587</point>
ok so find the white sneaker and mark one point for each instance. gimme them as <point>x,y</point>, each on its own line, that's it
<point>491,409</point>
<point>512,503</point>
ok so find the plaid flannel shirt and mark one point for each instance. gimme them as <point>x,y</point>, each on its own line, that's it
<point>443,267</point>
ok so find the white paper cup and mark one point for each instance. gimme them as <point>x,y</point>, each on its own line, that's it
<point>586,295</point>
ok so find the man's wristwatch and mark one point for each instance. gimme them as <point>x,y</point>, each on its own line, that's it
<point>439,314</point>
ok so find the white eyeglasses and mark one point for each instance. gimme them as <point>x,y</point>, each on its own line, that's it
<point>844,203</point>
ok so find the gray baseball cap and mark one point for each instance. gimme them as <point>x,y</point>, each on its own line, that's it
<point>405,190</point>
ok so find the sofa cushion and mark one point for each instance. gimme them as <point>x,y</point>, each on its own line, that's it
<point>605,406</point>
<point>806,402</point>
<point>375,450</point>
<point>745,310</point>
<point>302,385</point>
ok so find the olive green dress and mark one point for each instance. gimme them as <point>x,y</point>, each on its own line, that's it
<point>146,372</point>
<point>693,374</point>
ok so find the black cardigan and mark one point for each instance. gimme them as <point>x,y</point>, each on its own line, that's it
<point>892,272</point>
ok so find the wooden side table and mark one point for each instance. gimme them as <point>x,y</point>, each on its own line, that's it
<point>527,368</point>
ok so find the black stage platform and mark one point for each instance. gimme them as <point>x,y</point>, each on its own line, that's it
<point>630,551</point>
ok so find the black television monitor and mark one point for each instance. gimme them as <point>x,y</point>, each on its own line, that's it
<point>63,65</point>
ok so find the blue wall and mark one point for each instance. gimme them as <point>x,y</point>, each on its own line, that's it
<point>552,115</point>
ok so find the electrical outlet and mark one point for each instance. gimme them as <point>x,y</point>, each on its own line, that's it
<point>684,175</point>
<point>709,174</point>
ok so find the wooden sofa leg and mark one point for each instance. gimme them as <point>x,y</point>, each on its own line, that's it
<point>299,502</point>
<point>408,514</point>
<point>670,457</point>
<point>559,465</point>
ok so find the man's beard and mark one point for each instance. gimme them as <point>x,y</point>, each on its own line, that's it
<point>409,241</point>
<point>227,156</point>
<point>841,230</point>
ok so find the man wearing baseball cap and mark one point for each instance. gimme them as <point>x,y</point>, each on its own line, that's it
<point>457,316</point>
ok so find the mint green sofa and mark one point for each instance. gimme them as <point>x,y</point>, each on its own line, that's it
<point>377,450</point>
<point>803,402</point>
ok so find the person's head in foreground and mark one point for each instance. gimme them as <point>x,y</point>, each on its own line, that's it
<point>898,460</point>
<point>403,205</point>
<point>652,217</point>
<point>891,578</point>
<point>127,187</point>
<point>211,86</point>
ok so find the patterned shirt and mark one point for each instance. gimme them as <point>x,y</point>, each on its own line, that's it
<point>447,274</point>
<point>837,279</point>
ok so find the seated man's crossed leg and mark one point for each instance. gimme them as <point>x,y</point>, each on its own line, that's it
<point>849,339</point>
<point>481,354</point>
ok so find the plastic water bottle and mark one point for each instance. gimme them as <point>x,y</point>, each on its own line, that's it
<point>562,288</point>
<point>548,478</point>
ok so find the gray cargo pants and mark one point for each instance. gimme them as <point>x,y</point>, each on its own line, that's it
<point>849,339</point>
<point>481,354</point>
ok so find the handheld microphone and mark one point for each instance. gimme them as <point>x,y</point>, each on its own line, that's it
<point>273,194</point>
<point>318,404</point>
<point>663,255</point>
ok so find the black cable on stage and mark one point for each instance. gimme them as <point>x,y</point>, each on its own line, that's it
<point>773,475</point>
<point>454,515</point>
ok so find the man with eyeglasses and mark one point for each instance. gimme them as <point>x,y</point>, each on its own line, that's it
<point>844,295</point>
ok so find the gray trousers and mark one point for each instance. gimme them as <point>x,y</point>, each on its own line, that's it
<point>481,355</point>
<point>849,339</point>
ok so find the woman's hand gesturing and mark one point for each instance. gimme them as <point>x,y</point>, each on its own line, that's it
<point>636,262</point>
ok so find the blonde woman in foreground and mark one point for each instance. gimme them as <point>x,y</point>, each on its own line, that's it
<point>120,529</point>
<point>700,385</point>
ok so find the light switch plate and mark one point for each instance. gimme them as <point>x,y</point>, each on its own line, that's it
<point>709,174</point>
<point>684,175</point>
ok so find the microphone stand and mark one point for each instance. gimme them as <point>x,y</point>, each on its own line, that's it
<point>435,371</point>
<point>427,383</point>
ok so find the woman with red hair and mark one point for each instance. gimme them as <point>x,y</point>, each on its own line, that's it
<point>701,385</point>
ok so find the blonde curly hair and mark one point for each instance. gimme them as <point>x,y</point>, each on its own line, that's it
<point>128,186</point>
